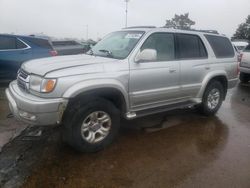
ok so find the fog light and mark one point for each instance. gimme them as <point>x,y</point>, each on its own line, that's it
<point>27,116</point>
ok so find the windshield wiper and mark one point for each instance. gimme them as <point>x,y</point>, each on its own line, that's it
<point>109,53</point>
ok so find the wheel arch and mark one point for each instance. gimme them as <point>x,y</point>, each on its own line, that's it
<point>111,90</point>
<point>219,76</point>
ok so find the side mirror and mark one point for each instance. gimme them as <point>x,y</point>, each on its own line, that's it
<point>146,55</point>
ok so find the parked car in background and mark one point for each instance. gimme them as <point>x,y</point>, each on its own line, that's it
<point>69,47</point>
<point>240,45</point>
<point>130,73</point>
<point>16,49</point>
<point>245,65</point>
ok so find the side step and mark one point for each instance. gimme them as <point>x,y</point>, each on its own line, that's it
<point>141,113</point>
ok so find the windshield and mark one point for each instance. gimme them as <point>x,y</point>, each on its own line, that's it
<point>247,49</point>
<point>117,45</point>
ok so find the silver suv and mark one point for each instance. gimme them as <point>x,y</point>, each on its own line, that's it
<point>130,73</point>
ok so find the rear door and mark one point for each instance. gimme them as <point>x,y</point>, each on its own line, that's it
<point>13,52</point>
<point>194,63</point>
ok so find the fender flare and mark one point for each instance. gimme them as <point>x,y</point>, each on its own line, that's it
<point>208,78</point>
<point>92,85</point>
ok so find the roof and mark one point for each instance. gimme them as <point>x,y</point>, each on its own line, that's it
<point>25,36</point>
<point>240,43</point>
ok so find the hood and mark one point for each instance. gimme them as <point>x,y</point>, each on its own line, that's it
<point>52,64</point>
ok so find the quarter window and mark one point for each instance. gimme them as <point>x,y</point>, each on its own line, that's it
<point>163,43</point>
<point>221,46</point>
<point>20,45</point>
<point>190,46</point>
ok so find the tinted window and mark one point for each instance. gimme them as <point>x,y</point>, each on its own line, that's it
<point>20,44</point>
<point>163,43</point>
<point>43,43</point>
<point>7,43</point>
<point>221,46</point>
<point>247,49</point>
<point>190,46</point>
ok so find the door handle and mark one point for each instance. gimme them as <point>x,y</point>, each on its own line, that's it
<point>207,68</point>
<point>172,70</point>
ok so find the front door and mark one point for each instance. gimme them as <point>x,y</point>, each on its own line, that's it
<point>154,84</point>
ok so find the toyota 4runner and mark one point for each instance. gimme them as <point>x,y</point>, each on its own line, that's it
<point>130,73</point>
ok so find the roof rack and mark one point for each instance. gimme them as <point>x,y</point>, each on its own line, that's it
<point>203,31</point>
<point>135,27</point>
<point>199,30</point>
<point>209,31</point>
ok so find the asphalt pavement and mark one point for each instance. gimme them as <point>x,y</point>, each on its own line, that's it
<point>174,149</point>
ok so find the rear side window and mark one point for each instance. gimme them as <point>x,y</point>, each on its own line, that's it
<point>190,46</point>
<point>7,43</point>
<point>247,49</point>
<point>163,43</point>
<point>221,46</point>
<point>43,43</point>
<point>20,44</point>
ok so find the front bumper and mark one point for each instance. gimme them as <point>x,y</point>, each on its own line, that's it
<point>32,109</point>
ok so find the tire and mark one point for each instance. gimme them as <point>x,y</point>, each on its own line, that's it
<point>244,78</point>
<point>96,118</point>
<point>207,107</point>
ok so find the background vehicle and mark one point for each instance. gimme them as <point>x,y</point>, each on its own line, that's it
<point>69,47</point>
<point>245,65</point>
<point>15,49</point>
<point>130,73</point>
<point>240,45</point>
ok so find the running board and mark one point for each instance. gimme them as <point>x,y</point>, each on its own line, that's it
<point>141,113</point>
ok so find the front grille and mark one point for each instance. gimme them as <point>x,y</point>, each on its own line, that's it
<point>23,80</point>
<point>21,84</point>
<point>23,74</point>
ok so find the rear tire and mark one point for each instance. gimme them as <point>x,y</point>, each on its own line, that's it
<point>212,98</point>
<point>244,78</point>
<point>91,126</point>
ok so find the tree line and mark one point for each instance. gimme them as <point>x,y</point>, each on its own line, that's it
<point>183,21</point>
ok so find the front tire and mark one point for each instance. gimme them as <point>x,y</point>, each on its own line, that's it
<point>212,98</point>
<point>92,125</point>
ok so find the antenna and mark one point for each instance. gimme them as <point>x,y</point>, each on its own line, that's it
<point>126,23</point>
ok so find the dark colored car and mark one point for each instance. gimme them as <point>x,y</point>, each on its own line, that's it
<point>69,47</point>
<point>14,50</point>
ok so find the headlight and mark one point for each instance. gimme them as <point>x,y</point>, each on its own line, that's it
<point>35,83</point>
<point>40,84</point>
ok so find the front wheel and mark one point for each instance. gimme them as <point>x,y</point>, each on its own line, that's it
<point>212,98</point>
<point>92,126</point>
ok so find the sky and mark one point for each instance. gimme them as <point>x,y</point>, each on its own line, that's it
<point>72,18</point>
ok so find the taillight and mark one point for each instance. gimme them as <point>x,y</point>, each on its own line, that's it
<point>240,57</point>
<point>53,53</point>
<point>238,68</point>
<point>238,63</point>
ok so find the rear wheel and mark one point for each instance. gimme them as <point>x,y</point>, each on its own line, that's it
<point>212,98</point>
<point>92,126</point>
<point>244,78</point>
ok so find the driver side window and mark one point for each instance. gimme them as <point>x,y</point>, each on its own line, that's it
<point>164,45</point>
